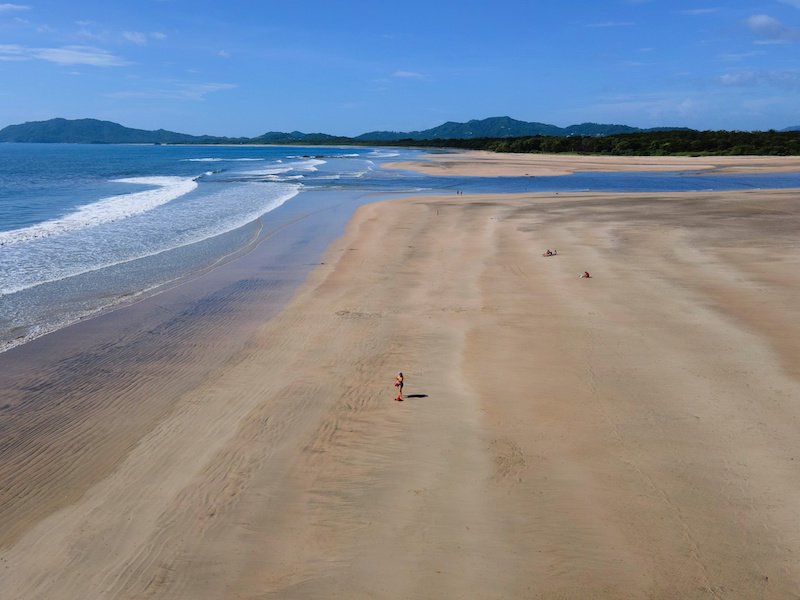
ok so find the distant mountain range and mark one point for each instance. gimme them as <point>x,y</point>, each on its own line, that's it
<point>501,127</point>
<point>93,131</point>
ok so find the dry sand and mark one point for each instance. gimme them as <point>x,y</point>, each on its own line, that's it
<point>493,164</point>
<point>633,435</point>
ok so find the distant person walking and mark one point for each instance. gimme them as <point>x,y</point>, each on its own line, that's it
<point>398,383</point>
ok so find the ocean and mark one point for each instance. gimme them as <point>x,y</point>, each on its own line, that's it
<point>85,228</point>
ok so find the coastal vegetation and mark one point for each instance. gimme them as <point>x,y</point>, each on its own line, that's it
<point>496,134</point>
<point>649,143</point>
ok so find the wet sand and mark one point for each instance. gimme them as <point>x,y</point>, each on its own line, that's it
<point>632,435</point>
<point>503,164</point>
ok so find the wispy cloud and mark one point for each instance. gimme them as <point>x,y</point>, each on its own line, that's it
<point>770,30</point>
<point>141,39</point>
<point>66,55</point>
<point>700,11</point>
<point>787,80</point>
<point>740,55</point>
<point>408,75</point>
<point>610,24</point>
<point>176,91</point>
<point>135,37</point>
<point>795,3</point>
<point>13,7</point>
<point>656,105</point>
<point>224,54</point>
<point>760,104</point>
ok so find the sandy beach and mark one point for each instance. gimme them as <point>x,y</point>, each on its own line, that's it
<point>633,435</point>
<point>493,164</point>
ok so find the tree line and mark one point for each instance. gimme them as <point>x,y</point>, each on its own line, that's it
<point>649,143</point>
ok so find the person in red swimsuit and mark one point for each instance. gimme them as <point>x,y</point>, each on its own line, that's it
<point>398,383</point>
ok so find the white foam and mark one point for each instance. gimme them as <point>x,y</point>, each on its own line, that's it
<point>307,165</point>
<point>214,159</point>
<point>279,178</point>
<point>192,226</point>
<point>113,208</point>
<point>303,166</point>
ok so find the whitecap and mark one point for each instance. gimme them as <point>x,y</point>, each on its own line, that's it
<point>216,159</point>
<point>106,210</point>
<point>151,234</point>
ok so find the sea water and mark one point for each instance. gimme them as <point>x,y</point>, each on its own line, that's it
<point>84,228</point>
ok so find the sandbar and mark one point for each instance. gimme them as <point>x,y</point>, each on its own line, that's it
<point>477,163</point>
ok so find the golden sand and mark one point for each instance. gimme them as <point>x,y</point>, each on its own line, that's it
<point>493,164</point>
<point>632,435</point>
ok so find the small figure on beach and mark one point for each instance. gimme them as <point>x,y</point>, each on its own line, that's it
<point>549,252</point>
<point>398,383</point>
<point>584,275</point>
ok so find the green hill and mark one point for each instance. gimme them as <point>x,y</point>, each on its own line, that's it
<point>501,127</point>
<point>93,131</point>
<point>298,137</point>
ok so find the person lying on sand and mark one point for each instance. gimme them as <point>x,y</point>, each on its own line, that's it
<point>550,252</point>
<point>584,275</point>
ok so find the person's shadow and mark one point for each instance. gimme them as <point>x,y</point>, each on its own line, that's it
<point>416,395</point>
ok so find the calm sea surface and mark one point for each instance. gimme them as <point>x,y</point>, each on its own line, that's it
<point>87,227</point>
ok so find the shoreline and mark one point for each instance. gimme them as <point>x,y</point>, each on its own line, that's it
<point>480,163</point>
<point>561,436</point>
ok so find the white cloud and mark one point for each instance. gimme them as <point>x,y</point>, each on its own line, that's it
<point>771,30</point>
<point>699,11</point>
<point>67,55</point>
<point>12,52</point>
<point>611,24</point>
<point>141,39</point>
<point>135,37</point>
<point>224,54</point>
<point>97,36</point>
<point>408,75</point>
<point>787,80</point>
<point>795,3</point>
<point>13,7</point>
<point>658,106</point>
<point>760,104</point>
<point>740,55</point>
<point>176,91</point>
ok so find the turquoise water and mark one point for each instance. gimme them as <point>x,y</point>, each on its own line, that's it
<point>86,227</point>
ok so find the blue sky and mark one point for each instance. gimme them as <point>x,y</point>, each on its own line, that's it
<point>350,66</point>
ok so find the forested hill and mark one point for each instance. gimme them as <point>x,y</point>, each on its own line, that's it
<point>501,127</point>
<point>93,131</point>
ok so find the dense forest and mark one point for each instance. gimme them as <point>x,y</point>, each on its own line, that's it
<point>650,143</point>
